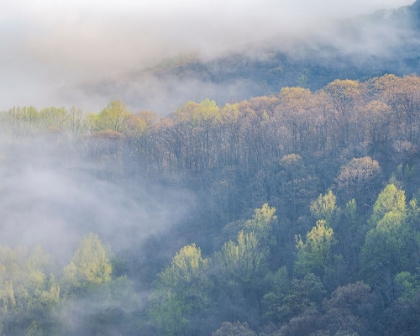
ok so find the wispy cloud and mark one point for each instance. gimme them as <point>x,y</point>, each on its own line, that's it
<point>51,45</point>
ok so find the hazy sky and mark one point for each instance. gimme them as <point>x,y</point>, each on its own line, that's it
<point>48,45</point>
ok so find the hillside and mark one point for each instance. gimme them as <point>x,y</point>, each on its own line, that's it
<point>294,214</point>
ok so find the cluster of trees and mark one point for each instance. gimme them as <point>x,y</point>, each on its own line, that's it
<point>86,299</point>
<point>237,148</point>
<point>351,275</point>
<point>307,218</point>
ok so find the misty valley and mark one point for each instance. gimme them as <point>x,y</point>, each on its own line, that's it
<point>244,185</point>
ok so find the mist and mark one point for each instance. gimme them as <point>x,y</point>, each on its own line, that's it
<point>50,196</point>
<point>53,50</point>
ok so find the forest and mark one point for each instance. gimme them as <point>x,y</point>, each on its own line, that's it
<point>294,214</point>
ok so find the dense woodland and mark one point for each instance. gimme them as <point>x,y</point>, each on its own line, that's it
<point>305,222</point>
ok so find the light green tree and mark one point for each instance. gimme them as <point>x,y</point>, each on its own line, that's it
<point>261,225</point>
<point>409,284</point>
<point>187,266</point>
<point>114,117</point>
<point>28,296</point>
<point>180,293</point>
<point>205,113</point>
<point>325,208</point>
<point>54,119</point>
<point>244,260</point>
<point>315,255</point>
<point>90,266</point>
<point>391,245</point>
<point>387,251</point>
<point>241,269</point>
<point>390,199</point>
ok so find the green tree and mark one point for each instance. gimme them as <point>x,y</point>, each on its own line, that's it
<point>291,298</point>
<point>350,231</point>
<point>386,244</point>
<point>409,284</point>
<point>261,225</point>
<point>181,293</point>
<point>392,245</point>
<point>390,199</point>
<point>315,254</point>
<point>169,314</point>
<point>54,119</point>
<point>325,208</point>
<point>241,269</point>
<point>114,117</point>
<point>28,296</point>
<point>23,121</point>
<point>273,301</point>
<point>387,251</point>
<point>243,261</point>
<point>89,267</point>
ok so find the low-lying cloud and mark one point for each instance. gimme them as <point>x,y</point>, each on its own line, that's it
<point>49,47</point>
<point>53,199</point>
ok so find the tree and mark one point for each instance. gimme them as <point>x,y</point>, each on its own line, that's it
<point>261,225</point>
<point>297,107</point>
<point>391,245</point>
<point>241,268</point>
<point>299,304</point>
<point>169,315</point>
<point>409,284</point>
<point>114,117</point>
<point>325,208</point>
<point>387,251</point>
<point>28,296</point>
<point>273,301</point>
<point>23,120</point>
<point>350,231</point>
<point>360,179</point>
<point>78,120</point>
<point>54,119</point>
<point>315,255</point>
<point>403,96</point>
<point>234,329</point>
<point>181,293</point>
<point>89,267</point>
<point>95,303</point>
<point>389,200</point>
<point>243,261</point>
<point>349,311</point>
<point>377,116</point>
<point>345,96</point>
<point>296,183</point>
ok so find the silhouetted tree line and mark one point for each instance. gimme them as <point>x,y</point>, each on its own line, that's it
<point>307,220</point>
